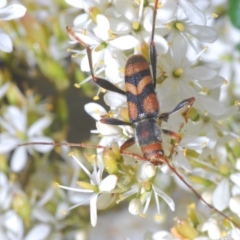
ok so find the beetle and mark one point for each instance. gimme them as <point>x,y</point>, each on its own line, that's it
<point>143,109</point>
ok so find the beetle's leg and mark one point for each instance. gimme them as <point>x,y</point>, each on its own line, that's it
<point>103,83</point>
<point>187,103</point>
<point>115,121</point>
<point>152,50</point>
<point>174,136</point>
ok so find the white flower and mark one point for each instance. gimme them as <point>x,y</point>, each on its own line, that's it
<point>181,30</point>
<point>163,235</point>
<point>97,193</point>
<point>7,13</point>
<point>184,80</point>
<point>14,121</point>
<point>211,226</point>
<point>194,10</point>
<point>40,231</point>
<point>11,226</point>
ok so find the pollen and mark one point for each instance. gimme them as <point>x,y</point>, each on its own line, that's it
<point>96,98</point>
<point>70,154</point>
<point>96,111</point>
<point>74,55</point>
<point>238,139</point>
<point>225,82</point>
<point>84,31</point>
<point>204,90</point>
<point>111,35</point>
<point>236,103</point>
<point>184,151</point>
<point>180,26</point>
<point>77,85</point>
<point>214,15</point>
<point>159,5</point>
<point>143,215</point>
<point>158,217</point>
<point>136,26</point>
<point>169,26</point>
<point>64,212</point>
<point>56,184</point>
<point>204,144</point>
<point>103,90</point>
<point>110,114</point>
<point>178,72</point>
<point>205,112</point>
<point>121,198</point>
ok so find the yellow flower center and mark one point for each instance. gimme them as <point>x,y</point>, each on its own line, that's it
<point>178,72</point>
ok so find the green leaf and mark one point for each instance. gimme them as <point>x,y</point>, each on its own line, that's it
<point>234,12</point>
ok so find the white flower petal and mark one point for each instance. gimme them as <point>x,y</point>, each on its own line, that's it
<point>235,190</point>
<point>192,12</point>
<point>216,82</point>
<point>46,197</point>
<point>38,232</point>
<point>14,113</point>
<point>74,3</point>
<point>95,110</point>
<point>108,183</point>
<point>234,204</point>
<point>221,195</point>
<point>8,143</point>
<point>235,177</point>
<point>19,159</point>
<point>108,130</point>
<point>164,235</point>
<point>201,4</point>
<point>126,9</point>
<point>3,3</point>
<point>194,142</point>
<point>202,33</point>
<point>93,209</point>
<point>210,105</point>
<point>42,215</point>
<point>115,99</point>
<point>61,207</point>
<point>167,11</point>
<point>104,200</point>
<point>201,73</point>
<point>165,197</point>
<point>161,43</point>
<point>103,27</point>
<point>80,19</point>
<point>5,43</point>
<point>212,228</point>
<point>37,127</point>
<point>124,42</point>
<point>183,161</point>
<point>13,223</point>
<point>12,12</point>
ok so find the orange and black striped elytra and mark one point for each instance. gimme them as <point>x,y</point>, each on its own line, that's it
<point>143,109</point>
<point>141,98</point>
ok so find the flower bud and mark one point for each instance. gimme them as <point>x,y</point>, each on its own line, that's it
<point>110,161</point>
<point>185,229</point>
<point>135,206</point>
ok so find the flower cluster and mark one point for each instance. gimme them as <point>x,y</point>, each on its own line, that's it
<point>7,13</point>
<point>43,194</point>
<point>114,31</point>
